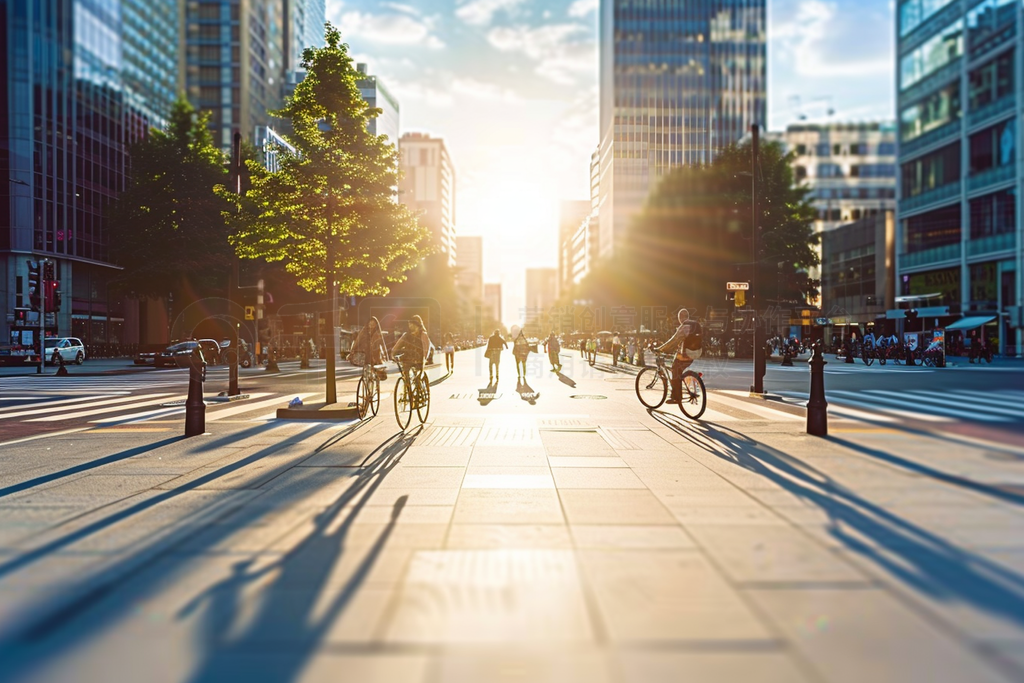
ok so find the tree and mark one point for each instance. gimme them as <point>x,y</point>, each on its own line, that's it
<point>167,230</point>
<point>329,213</point>
<point>693,235</point>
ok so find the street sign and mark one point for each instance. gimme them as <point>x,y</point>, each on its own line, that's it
<point>736,286</point>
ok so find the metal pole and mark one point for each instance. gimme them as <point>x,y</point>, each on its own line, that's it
<point>759,361</point>
<point>817,406</point>
<point>236,161</point>
<point>42,317</point>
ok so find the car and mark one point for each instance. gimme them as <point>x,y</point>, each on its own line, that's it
<point>70,349</point>
<point>146,353</point>
<point>211,351</point>
<point>227,354</point>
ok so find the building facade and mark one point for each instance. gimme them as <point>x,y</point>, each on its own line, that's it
<point>82,81</point>
<point>572,215</point>
<point>858,281</point>
<point>427,187</point>
<point>541,293</point>
<point>469,268</point>
<point>378,96</point>
<point>960,98</point>
<point>679,80</point>
<point>492,301</point>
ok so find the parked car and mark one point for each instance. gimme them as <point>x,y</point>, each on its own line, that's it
<point>71,349</point>
<point>227,354</point>
<point>211,351</point>
<point>146,353</point>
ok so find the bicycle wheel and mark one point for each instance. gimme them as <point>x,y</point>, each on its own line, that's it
<point>868,359</point>
<point>403,403</point>
<point>695,398</point>
<point>375,396</point>
<point>423,400</point>
<point>362,398</point>
<point>881,360</point>
<point>651,388</point>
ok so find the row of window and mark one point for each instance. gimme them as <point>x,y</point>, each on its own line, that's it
<point>835,215</point>
<point>854,193</point>
<point>824,149</point>
<point>991,214</point>
<point>931,171</point>
<point>854,171</point>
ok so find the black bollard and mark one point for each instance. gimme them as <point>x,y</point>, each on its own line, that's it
<point>195,409</point>
<point>817,406</point>
<point>849,354</point>
<point>272,361</point>
<point>61,368</point>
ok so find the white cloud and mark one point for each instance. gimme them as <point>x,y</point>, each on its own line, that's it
<point>581,8</point>
<point>482,90</point>
<point>390,29</point>
<point>481,12</point>
<point>422,91</point>
<point>821,41</point>
<point>562,51</point>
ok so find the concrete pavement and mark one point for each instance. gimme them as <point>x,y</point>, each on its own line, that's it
<point>547,532</point>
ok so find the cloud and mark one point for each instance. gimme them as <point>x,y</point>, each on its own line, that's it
<point>481,12</point>
<point>581,8</point>
<point>482,90</point>
<point>820,40</point>
<point>562,51</point>
<point>389,29</point>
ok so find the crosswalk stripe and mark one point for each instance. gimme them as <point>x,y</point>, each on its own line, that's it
<point>751,407</point>
<point>153,414</point>
<point>41,411</point>
<point>108,409</point>
<point>833,401</point>
<point>279,402</point>
<point>41,404</point>
<point>931,408</point>
<point>982,402</point>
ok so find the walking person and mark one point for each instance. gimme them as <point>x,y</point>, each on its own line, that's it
<point>449,353</point>
<point>553,346</point>
<point>616,349</point>
<point>631,351</point>
<point>583,347</point>
<point>521,351</point>
<point>494,346</point>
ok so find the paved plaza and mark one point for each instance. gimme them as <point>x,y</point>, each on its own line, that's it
<point>551,530</point>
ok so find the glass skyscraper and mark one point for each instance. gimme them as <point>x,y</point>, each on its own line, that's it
<point>959,105</point>
<point>680,80</point>
<point>81,81</point>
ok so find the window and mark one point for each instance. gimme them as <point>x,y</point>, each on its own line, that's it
<point>877,170</point>
<point>800,173</point>
<point>886,149</point>
<point>987,24</point>
<point>933,229</point>
<point>801,149</point>
<point>933,54</point>
<point>934,111</point>
<point>995,146</point>
<point>913,12</point>
<point>836,149</point>
<point>822,149</point>
<point>993,214</point>
<point>855,171</point>
<point>991,81</point>
<point>931,171</point>
<point>830,171</point>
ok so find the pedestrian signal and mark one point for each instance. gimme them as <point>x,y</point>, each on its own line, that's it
<point>250,312</point>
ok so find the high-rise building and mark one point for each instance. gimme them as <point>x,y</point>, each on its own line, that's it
<point>573,214</point>
<point>541,292</point>
<point>376,95</point>
<point>233,63</point>
<point>469,268</point>
<point>79,82</point>
<point>849,168</point>
<point>427,187</point>
<point>959,243</point>
<point>492,301</point>
<point>680,80</point>
<point>306,19</point>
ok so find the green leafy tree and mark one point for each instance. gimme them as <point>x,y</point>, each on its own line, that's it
<point>694,235</point>
<point>167,230</point>
<point>330,212</point>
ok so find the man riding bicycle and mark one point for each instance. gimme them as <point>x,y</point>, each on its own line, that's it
<point>686,343</point>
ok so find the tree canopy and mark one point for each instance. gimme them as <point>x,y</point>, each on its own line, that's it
<point>330,211</point>
<point>694,235</point>
<point>167,229</point>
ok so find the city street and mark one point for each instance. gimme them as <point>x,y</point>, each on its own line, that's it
<point>551,530</point>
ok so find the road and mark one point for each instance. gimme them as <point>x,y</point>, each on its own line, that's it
<point>546,530</point>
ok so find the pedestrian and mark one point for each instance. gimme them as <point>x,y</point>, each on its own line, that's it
<point>583,347</point>
<point>449,353</point>
<point>616,349</point>
<point>631,351</point>
<point>494,346</point>
<point>553,346</point>
<point>521,351</point>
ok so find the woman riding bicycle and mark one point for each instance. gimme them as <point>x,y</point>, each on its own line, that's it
<point>686,344</point>
<point>414,345</point>
<point>369,345</point>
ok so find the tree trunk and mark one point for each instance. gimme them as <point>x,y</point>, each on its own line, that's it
<point>332,354</point>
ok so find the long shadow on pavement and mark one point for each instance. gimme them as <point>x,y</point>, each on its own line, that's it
<point>57,625</point>
<point>930,564</point>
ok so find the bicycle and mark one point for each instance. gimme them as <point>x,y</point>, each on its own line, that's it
<point>652,389</point>
<point>412,392</point>
<point>868,352</point>
<point>368,390</point>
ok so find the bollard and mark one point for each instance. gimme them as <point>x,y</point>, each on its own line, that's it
<point>304,357</point>
<point>849,353</point>
<point>61,368</point>
<point>272,360</point>
<point>787,359</point>
<point>195,409</point>
<point>817,406</point>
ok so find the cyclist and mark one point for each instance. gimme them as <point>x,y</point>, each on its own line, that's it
<point>686,344</point>
<point>370,344</point>
<point>414,345</point>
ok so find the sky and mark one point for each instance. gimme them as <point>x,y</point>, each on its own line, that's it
<point>511,86</point>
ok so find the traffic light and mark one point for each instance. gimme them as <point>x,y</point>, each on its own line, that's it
<point>20,316</point>
<point>49,271</point>
<point>34,285</point>
<point>911,314</point>
<point>52,295</point>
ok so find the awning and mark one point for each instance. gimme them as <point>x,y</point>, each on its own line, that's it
<point>971,323</point>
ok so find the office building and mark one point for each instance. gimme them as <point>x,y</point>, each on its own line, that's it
<point>378,96</point>
<point>492,301</point>
<point>306,19</point>
<point>541,293</point>
<point>469,269</point>
<point>958,223</point>
<point>572,215</point>
<point>81,81</point>
<point>857,276</point>
<point>233,63</point>
<point>427,187</point>
<point>678,82</point>
<point>849,168</point>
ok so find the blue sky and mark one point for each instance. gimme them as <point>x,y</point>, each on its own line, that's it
<point>512,87</point>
